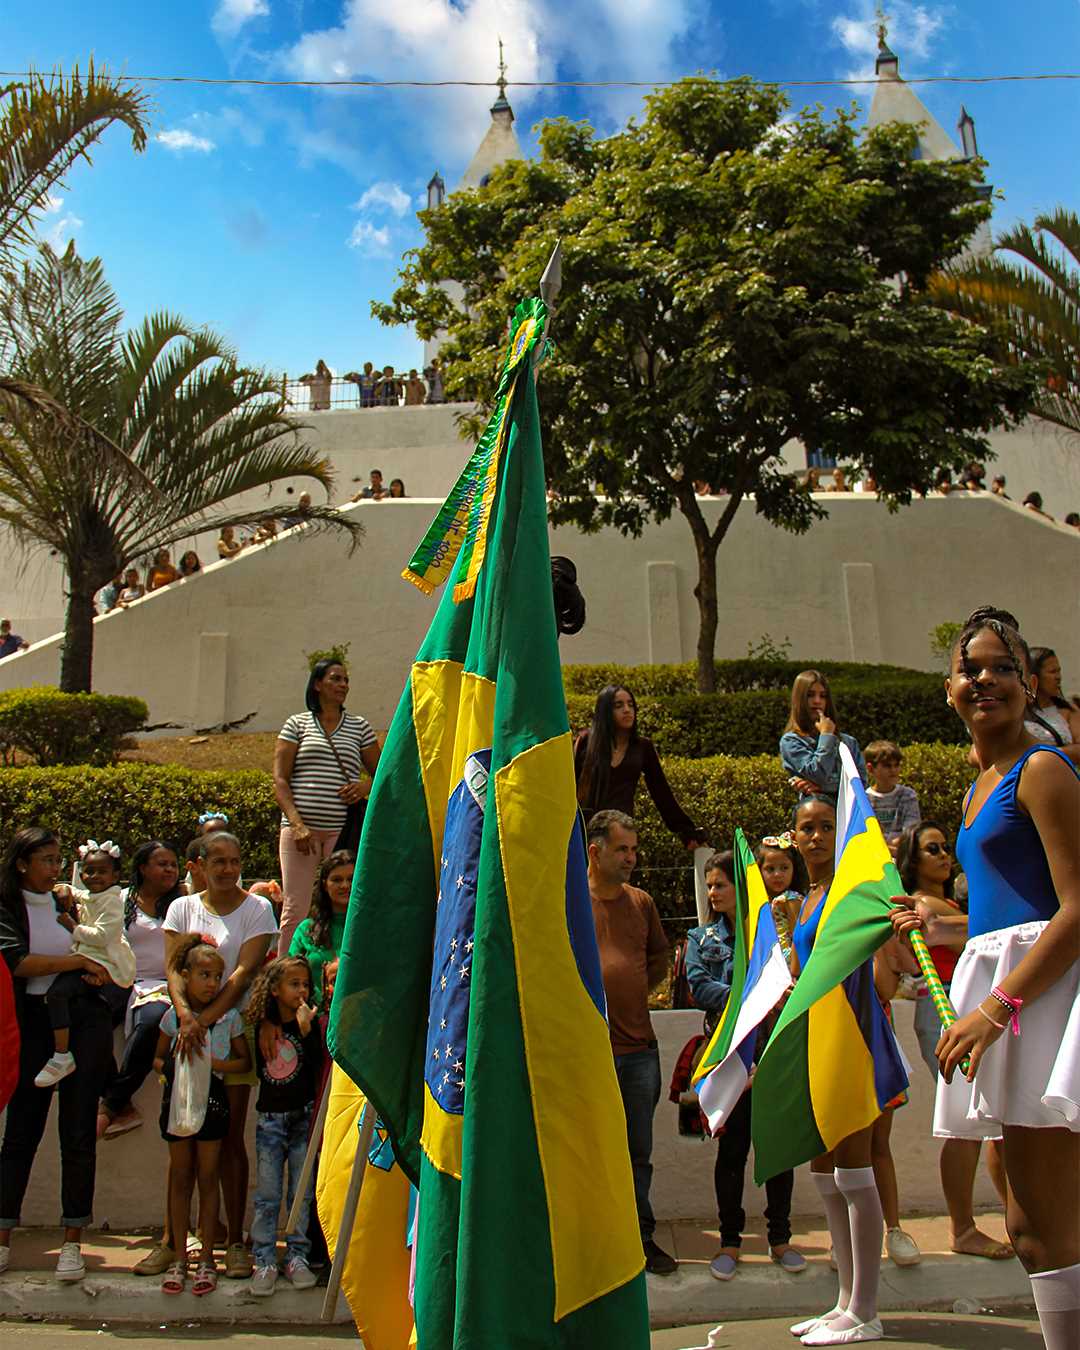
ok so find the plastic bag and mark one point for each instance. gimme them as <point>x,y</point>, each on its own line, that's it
<point>190,1092</point>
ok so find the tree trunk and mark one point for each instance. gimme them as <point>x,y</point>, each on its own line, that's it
<point>76,657</point>
<point>708,611</point>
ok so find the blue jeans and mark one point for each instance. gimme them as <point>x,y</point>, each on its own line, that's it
<point>639,1083</point>
<point>280,1138</point>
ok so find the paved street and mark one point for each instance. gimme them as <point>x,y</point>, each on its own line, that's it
<point>906,1331</point>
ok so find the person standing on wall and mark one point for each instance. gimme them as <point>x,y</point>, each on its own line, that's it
<point>318,760</point>
<point>633,960</point>
<point>610,759</point>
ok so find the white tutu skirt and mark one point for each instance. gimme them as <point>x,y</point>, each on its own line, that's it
<point>1032,1079</point>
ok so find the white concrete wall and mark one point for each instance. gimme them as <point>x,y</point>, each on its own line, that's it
<point>422,447</point>
<point>864,584</point>
<point>130,1175</point>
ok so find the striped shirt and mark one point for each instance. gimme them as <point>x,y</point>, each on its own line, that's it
<point>316,775</point>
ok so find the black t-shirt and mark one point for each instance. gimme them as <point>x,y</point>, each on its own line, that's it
<point>289,1081</point>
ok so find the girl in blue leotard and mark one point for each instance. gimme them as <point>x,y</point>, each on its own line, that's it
<point>1019,845</point>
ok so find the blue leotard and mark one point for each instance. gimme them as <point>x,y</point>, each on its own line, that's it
<point>805,931</point>
<point>1002,855</point>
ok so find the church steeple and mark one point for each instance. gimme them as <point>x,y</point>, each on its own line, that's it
<point>500,144</point>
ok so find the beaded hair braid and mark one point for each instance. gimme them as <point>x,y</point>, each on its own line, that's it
<point>1005,627</point>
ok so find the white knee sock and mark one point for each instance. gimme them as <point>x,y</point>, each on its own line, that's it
<point>1057,1301</point>
<point>836,1216</point>
<point>867,1226</point>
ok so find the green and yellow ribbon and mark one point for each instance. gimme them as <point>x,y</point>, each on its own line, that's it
<point>456,541</point>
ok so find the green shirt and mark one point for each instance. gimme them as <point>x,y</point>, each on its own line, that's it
<point>317,957</point>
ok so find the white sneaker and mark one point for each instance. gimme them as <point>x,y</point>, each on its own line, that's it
<point>832,1334</point>
<point>263,1281</point>
<point>5,1258</point>
<point>300,1274</point>
<point>59,1066</point>
<point>901,1247</point>
<point>71,1267</point>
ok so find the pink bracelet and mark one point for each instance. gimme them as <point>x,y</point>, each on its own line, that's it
<point>1011,1004</point>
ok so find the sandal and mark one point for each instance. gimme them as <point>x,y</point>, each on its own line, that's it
<point>973,1242</point>
<point>172,1281</point>
<point>205,1281</point>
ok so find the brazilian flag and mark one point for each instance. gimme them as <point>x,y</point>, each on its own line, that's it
<point>468,1006</point>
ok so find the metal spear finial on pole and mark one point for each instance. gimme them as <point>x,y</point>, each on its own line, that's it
<point>550,286</point>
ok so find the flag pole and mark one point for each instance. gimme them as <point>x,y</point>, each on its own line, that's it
<point>314,1144</point>
<point>348,1213</point>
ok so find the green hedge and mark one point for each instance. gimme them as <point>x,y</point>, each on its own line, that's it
<point>722,792</point>
<point>56,728</point>
<point>751,721</point>
<point>731,676</point>
<point>134,802</point>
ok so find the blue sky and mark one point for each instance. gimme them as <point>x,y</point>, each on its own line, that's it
<point>276,215</point>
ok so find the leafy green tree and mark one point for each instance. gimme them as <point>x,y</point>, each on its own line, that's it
<point>732,280</point>
<point>115,444</point>
<point>1033,303</point>
<point>47,123</point>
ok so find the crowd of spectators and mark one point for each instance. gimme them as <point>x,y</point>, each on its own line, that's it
<point>385,388</point>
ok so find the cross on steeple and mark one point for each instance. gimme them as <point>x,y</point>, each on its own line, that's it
<point>502,72</point>
<point>882,26</point>
<point>502,103</point>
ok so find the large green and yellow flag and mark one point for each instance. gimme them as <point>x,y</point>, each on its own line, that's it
<point>468,1006</point>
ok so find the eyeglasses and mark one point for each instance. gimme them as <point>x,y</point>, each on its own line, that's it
<point>934,848</point>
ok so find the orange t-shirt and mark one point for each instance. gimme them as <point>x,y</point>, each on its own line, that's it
<point>633,959</point>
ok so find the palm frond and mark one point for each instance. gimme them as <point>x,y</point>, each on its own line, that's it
<point>46,124</point>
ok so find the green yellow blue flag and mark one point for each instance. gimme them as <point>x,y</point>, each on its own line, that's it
<point>468,1005</point>
<point>759,979</point>
<point>832,1062</point>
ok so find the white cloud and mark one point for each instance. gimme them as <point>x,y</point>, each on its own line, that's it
<point>50,204</point>
<point>386,197</point>
<point>371,240</point>
<point>231,15</point>
<point>912,31</point>
<point>434,39</point>
<point>59,235</point>
<point>179,140</point>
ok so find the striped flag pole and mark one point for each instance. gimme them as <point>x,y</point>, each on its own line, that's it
<point>944,1009</point>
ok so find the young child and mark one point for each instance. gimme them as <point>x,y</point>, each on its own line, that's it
<point>198,1156</point>
<point>288,1086</point>
<point>809,747</point>
<point>785,882</point>
<point>895,804</point>
<point>1019,846</point>
<point>95,920</point>
<point>845,1176</point>
<point>195,865</point>
<point>212,821</point>
<point>710,953</point>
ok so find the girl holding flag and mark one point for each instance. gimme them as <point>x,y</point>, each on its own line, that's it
<point>1016,988</point>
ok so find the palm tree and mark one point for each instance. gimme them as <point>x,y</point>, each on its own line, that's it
<point>113,445</point>
<point>1034,304</point>
<point>46,124</point>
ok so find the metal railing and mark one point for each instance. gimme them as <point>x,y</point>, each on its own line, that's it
<point>312,393</point>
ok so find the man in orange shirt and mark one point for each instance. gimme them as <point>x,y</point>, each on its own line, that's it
<point>633,959</point>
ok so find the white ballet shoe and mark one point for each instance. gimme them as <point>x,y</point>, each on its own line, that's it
<point>830,1334</point>
<point>812,1323</point>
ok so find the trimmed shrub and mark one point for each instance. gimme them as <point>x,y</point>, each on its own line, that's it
<point>131,803</point>
<point>722,792</point>
<point>731,676</point>
<point>56,728</point>
<point>751,721</point>
<point>134,802</point>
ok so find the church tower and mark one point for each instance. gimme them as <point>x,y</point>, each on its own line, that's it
<point>500,144</point>
<point>896,101</point>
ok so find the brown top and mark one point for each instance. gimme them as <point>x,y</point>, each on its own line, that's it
<point>633,960</point>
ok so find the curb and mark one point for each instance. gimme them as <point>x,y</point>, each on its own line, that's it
<point>690,1295</point>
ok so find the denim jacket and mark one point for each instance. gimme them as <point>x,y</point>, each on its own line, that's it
<point>710,955</point>
<point>818,758</point>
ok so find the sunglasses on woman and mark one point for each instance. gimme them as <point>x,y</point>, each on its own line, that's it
<point>934,848</point>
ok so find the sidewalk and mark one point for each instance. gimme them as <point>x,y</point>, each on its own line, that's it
<point>110,1293</point>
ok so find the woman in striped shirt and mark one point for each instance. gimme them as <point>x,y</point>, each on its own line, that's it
<point>318,761</point>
